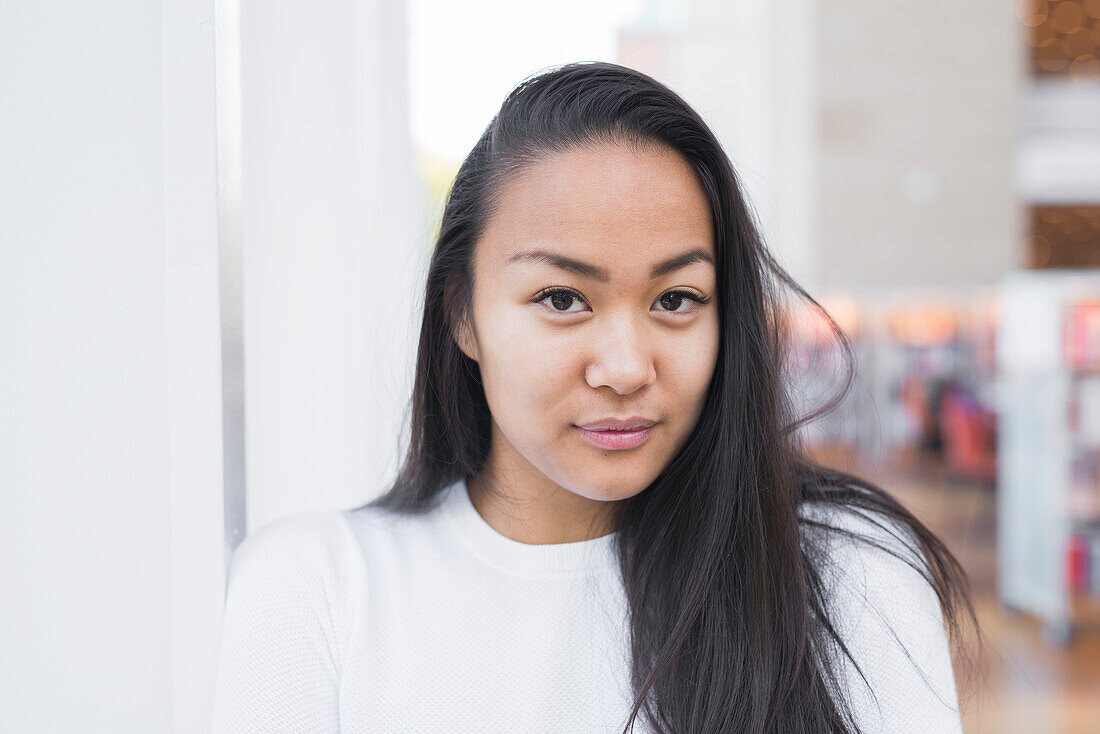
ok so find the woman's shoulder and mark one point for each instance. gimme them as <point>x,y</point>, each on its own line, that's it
<point>331,537</point>
<point>291,607</point>
<point>300,560</point>
<point>314,537</point>
<point>873,541</point>
<point>885,609</point>
<point>871,563</point>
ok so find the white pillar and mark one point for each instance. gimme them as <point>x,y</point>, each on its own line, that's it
<point>331,251</point>
<point>111,553</point>
<point>193,355</point>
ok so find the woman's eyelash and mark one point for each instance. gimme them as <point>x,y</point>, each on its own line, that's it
<point>689,295</point>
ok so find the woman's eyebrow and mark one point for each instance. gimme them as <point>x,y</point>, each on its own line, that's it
<point>595,272</point>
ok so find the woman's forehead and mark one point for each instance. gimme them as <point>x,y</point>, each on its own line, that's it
<point>607,200</point>
<point>594,182</point>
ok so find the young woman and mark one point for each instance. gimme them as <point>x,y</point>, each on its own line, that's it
<point>605,521</point>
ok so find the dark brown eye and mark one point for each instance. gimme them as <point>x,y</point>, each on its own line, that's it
<point>562,300</point>
<point>559,300</point>
<point>674,299</point>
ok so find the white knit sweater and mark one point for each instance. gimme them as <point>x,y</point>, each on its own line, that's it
<point>362,621</point>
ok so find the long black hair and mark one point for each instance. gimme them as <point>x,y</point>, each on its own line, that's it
<point>728,615</point>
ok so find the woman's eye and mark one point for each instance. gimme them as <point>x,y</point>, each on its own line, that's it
<point>674,299</point>
<point>560,300</point>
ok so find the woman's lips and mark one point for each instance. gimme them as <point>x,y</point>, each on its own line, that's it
<point>616,439</point>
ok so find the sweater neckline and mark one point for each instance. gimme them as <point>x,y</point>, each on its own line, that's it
<point>526,558</point>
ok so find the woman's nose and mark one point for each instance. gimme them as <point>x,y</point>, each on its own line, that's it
<point>622,359</point>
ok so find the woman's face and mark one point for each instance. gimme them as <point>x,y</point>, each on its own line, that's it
<point>622,338</point>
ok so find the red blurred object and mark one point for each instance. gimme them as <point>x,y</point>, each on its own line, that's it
<point>969,436</point>
<point>1081,335</point>
<point>1077,562</point>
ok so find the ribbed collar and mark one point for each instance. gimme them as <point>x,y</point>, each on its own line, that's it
<point>503,552</point>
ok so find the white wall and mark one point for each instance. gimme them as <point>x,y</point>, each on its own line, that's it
<point>917,142</point>
<point>875,141</point>
<point>84,441</point>
<point>193,354</point>
<point>112,550</point>
<point>332,251</point>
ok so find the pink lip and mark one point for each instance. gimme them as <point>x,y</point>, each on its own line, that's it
<point>633,423</point>
<point>616,439</point>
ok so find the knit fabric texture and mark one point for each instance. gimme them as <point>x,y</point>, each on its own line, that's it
<point>364,621</point>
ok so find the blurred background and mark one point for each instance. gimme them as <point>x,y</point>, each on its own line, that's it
<point>215,219</point>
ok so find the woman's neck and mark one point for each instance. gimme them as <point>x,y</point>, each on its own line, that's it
<point>537,512</point>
